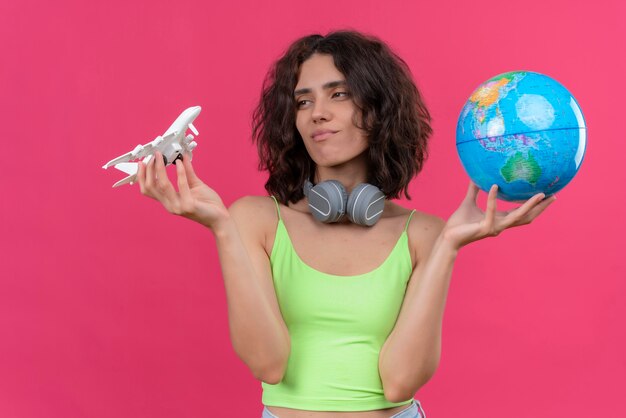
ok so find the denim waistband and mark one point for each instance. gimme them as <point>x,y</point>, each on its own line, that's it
<point>414,410</point>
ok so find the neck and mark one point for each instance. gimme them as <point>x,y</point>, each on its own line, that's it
<point>350,175</point>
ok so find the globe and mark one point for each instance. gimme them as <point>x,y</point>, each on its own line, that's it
<point>522,131</point>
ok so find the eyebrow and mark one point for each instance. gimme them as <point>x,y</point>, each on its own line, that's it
<point>327,86</point>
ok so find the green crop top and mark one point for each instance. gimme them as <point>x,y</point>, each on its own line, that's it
<point>337,326</point>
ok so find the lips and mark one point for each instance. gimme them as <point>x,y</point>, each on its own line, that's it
<point>322,134</point>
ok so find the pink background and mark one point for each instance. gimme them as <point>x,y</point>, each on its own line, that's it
<point>110,307</point>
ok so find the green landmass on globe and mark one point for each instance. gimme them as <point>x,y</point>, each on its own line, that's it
<point>519,167</point>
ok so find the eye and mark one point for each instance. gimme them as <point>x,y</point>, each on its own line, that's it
<point>302,102</point>
<point>340,94</point>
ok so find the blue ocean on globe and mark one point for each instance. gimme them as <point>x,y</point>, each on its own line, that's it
<point>522,131</point>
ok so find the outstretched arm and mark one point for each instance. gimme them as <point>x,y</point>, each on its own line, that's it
<point>257,330</point>
<point>410,356</point>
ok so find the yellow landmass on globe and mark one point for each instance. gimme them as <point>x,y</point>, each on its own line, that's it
<point>488,94</point>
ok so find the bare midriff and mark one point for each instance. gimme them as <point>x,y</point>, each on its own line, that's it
<point>298,413</point>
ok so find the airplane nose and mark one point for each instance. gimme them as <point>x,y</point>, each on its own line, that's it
<point>192,112</point>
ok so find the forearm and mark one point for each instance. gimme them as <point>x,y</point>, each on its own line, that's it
<point>259,335</point>
<point>411,353</point>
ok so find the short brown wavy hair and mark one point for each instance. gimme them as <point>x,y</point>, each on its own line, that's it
<point>393,114</point>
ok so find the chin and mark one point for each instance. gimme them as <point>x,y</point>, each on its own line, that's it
<point>332,157</point>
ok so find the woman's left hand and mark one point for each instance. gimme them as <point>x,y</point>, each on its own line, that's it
<point>469,223</point>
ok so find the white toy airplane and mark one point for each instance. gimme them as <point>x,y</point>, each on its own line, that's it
<point>173,144</point>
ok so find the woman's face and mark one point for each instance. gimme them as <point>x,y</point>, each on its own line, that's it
<point>325,113</point>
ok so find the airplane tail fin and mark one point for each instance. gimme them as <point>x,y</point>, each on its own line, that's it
<point>129,179</point>
<point>128,168</point>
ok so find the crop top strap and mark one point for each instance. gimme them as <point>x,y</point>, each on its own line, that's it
<point>277,207</point>
<point>409,220</point>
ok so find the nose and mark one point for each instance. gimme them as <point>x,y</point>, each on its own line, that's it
<point>321,111</point>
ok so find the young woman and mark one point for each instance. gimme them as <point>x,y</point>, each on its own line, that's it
<point>336,315</point>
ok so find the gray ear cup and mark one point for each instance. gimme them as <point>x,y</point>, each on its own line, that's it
<point>327,200</point>
<point>365,205</point>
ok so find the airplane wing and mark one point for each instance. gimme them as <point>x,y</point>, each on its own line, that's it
<point>140,151</point>
<point>128,168</point>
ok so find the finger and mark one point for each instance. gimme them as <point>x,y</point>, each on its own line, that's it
<point>159,167</point>
<point>190,173</point>
<point>141,177</point>
<point>183,185</point>
<point>162,182</point>
<point>490,213</point>
<point>540,207</point>
<point>472,192</point>
<point>532,202</point>
<point>519,215</point>
<point>149,183</point>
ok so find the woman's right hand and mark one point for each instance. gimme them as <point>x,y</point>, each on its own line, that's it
<point>194,199</point>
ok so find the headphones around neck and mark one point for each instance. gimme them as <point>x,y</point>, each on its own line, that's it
<point>329,201</point>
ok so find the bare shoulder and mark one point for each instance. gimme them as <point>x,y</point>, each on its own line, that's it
<point>423,231</point>
<point>255,216</point>
<point>253,205</point>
